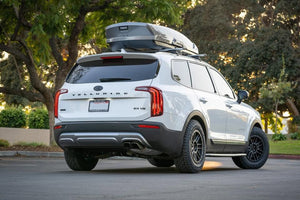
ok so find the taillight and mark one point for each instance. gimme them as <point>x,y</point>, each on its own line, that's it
<point>58,93</point>
<point>157,103</point>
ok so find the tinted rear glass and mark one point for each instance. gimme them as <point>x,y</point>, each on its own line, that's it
<point>114,70</point>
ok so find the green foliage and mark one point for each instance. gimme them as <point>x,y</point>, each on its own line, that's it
<point>277,91</point>
<point>29,144</point>
<point>12,117</point>
<point>271,118</point>
<point>38,118</point>
<point>295,136</point>
<point>285,147</point>
<point>4,143</point>
<point>247,40</point>
<point>11,76</point>
<point>296,120</point>
<point>278,137</point>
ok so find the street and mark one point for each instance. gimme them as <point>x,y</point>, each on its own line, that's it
<point>50,178</point>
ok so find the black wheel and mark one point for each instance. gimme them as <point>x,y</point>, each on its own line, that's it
<point>79,160</point>
<point>161,162</point>
<point>193,149</point>
<point>257,151</point>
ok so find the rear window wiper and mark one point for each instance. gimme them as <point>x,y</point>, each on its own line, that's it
<point>114,79</point>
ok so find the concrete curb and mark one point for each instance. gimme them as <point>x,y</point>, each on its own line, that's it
<point>61,155</point>
<point>32,154</point>
<point>52,155</point>
<point>281,156</point>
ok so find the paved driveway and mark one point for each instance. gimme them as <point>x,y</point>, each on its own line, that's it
<point>34,178</point>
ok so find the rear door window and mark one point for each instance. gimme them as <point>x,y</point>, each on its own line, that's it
<point>200,78</point>
<point>113,70</point>
<point>181,72</point>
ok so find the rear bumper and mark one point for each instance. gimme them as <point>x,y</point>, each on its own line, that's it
<point>118,135</point>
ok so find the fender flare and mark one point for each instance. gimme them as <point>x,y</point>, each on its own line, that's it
<point>255,123</point>
<point>203,122</point>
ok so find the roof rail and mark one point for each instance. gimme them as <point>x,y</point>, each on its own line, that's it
<point>198,56</point>
<point>172,50</point>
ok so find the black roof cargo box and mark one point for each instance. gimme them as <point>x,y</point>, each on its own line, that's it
<point>139,36</point>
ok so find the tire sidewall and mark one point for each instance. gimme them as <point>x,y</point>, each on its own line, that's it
<point>198,128</point>
<point>258,164</point>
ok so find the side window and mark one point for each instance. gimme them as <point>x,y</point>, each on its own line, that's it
<point>222,85</point>
<point>181,72</point>
<point>200,78</point>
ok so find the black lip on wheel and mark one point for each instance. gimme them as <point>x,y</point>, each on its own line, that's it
<point>255,148</point>
<point>196,145</point>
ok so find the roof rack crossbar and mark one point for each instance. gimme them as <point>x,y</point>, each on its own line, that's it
<point>171,49</point>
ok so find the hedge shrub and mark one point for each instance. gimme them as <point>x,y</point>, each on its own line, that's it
<point>295,136</point>
<point>38,118</point>
<point>4,143</point>
<point>12,117</point>
<point>278,137</point>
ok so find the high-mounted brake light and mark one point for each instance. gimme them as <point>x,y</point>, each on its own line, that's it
<point>57,94</point>
<point>157,103</point>
<point>111,57</point>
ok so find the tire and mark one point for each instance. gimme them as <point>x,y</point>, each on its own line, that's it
<point>79,161</point>
<point>193,150</point>
<point>257,151</point>
<point>161,162</point>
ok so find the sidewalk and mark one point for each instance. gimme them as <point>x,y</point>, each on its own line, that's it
<point>61,155</point>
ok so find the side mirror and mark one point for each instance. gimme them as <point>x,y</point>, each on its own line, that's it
<point>242,94</point>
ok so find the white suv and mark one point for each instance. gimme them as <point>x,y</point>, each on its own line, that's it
<point>154,103</point>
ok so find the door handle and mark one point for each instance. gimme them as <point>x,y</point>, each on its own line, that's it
<point>228,106</point>
<point>203,100</point>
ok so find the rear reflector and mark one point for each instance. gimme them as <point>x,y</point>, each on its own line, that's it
<point>56,99</point>
<point>148,126</point>
<point>58,127</point>
<point>111,57</point>
<point>157,103</point>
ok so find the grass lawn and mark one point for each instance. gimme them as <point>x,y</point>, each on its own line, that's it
<point>285,147</point>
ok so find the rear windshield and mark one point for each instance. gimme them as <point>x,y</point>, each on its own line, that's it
<point>113,70</point>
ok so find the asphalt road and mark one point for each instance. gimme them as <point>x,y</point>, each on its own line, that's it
<point>45,178</point>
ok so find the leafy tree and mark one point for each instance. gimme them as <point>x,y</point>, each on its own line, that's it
<point>46,36</point>
<point>246,41</point>
<point>12,74</point>
<point>277,92</point>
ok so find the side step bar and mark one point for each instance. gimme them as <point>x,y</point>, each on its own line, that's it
<point>225,154</point>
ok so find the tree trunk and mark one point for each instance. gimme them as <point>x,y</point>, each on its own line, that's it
<point>50,107</point>
<point>266,125</point>
<point>292,107</point>
<point>276,108</point>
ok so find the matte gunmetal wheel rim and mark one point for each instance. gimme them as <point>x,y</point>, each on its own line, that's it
<point>196,146</point>
<point>255,149</point>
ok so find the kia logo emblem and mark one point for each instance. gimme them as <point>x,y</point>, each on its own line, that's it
<point>98,88</point>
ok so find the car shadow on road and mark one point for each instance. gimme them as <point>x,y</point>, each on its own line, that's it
<point>155,170</point>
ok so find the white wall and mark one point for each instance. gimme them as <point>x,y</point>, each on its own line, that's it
<point>15,135</point>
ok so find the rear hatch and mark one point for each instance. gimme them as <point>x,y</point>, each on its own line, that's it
<point>104,89</point>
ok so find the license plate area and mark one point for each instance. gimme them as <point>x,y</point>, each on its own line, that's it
<point>99,105</point>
